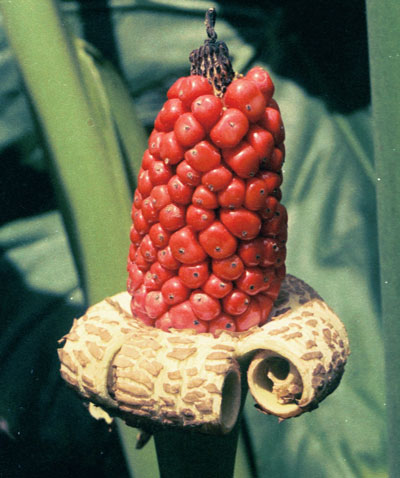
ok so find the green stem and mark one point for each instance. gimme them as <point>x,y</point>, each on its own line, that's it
<point>88,172</point>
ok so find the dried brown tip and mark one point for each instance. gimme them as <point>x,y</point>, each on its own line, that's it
<point>212,59</point>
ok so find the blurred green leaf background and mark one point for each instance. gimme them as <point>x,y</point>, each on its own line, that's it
<point>65,222</point>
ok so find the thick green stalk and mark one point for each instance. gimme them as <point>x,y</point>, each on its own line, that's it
<point>73,110</point>
<point>384,50</point>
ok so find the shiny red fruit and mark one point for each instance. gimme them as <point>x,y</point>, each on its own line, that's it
<point>183,317</point>
<point>243,159</point>
<point>256,194</point>
<point>174,291</point>
<point>203,157</point>
<point>185,247</point>
<point>204,306</point>
<point>155,305</point>
<point>172,217</point>
<point>168,114</point>
<point>216,287</point>
<point>141,225</point>
<point>207,110</point>
<point>159,236</point>
<point>153,153</point>
<point>144,183</point>
<point>217,179</point>
<point>203,197</point>
<point>193,86</point>
<point>178,191</point>
<point>160,273</point>
<point>250,318</point>
<point>230,268</point>
<point>230,129</point>
<point>159,173</point>
<point>195,275</point>
<point>222,323</point>
<point>251,252</point>
<point>266,304</point>
<point>262,79</point>
<point>171,151</point>
<point>160,197</point>
<point>245,95</point>
<point>188,130</point>
<point>272,181</point>
<point>272,121</point>
<point>217,241</point>
<point>167,260</point>
<point>164,322</point>
<point>251,281</point>
<point>147,249</point>
<point>236,302</point>
<point>148,211</point>
<point>199,218</point>
<point>242,223</point>
<point>233,195</point>
<point>261,140</point>
<point>188,174</point>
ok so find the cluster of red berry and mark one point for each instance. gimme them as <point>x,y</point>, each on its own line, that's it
<point>208,236</point>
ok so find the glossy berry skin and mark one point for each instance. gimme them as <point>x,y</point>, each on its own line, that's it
<point>209,232</point>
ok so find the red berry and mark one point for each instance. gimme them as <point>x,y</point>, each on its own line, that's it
<point>159,236</point>
<point>164,322</point>
<point>222,322</point>
<point>242,223</point>
<point>194,276</point>
<point>203,197</point>
<point>217,241</point>
<point>167,260</point>
<point>183,317</point>
<point>169,113</point>
<point>149,282</point>
<point>136,277</point>
<point>233,195</point>
<point>245,95</point>
<point>148,211</point>
<point>193,86</point>
<point>243,159</point>
<point>179,192</point>
<point>250,318</point>
<point>174,291</point>
<point>140,261</point>
<point>153,152</point>
<point>269,208</point>
<point>172,216</point>
<point>141,225</point>
<point>207,110</point>
<point>217,287</point>
<point>230,268</point>
<point>203,157</point>
<point>236,302</point>
<point>266,304</point>
<point>135,236</point>
<point>137,201</point>
<point>188,130</point>
<point>159,173</point>
<point>261,140</point>
<point>273,290</point>
<point>270,252</point>
<point>171,151</point>
<point>251,281</point>
<point>272,181</point>
<point>230,129</point>
<point>217,179</point>
<point>185,247</point>
<point>272,121</point>
<point>276,160</point>
<point>204,306</point>
<point>148,159</point>
<point>155,305</point>
<point>188,174</point>
<point>251,252</point>
<point>160,197</point>
<point>199,218</point>
<point>175,88</point>
<point>256,194</point>
<point>160,274</point>
<point>273,227</point>
<point>262,79</point>
<point>144,184</point>
<point>147,249</point>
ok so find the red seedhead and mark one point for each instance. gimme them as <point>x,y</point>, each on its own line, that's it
<point>208,236</point>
